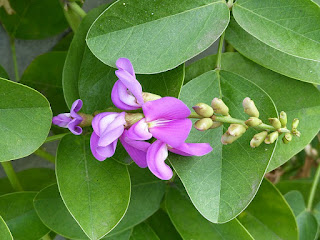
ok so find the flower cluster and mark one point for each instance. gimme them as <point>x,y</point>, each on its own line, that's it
<point>164,125</point>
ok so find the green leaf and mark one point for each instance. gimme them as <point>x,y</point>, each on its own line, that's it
<point>144,186</point>
<point>86,77</point>
<point>18,212</point>
<point>96,193</point>
<point>303,186</point>
<point>120,236</point>
<point>222,183</point>
<point>44,74</point>
<point>162,226</point>
<point>55,215</point>
<point>5,233</point>
<point>143,232</point>
<point>316,212</point>
<point>191,225</point>
<point>283,63</point>
<point>297,99</point>
<point>26,120</point>
<point>157,36</point>
<point>285,28</point>
<point>307,223</point>
<point>33,179</point>
<point>3,73</point>
<point>34,19</point>
<point>259,217</point>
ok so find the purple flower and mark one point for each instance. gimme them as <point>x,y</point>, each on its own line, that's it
<point>158,152</point>
<point>107,127</point>
<point>70,120</point>
<point>127,92</point>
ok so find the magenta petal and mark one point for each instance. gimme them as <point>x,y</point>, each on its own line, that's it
<point>192,149</point>
<point>156,155</point>
<point>73,126</point>
<point>76,106</point>
<point>107,151</point>
<point>125,64</point>
<point>136,149</point>
<point>139,131</point>
<point>93,146</point>
<point>165,108</point>
<point>172,132</point>
<point>62,120</point>
<point>96,121</point>
<point>108,137</point>
<point>115,97</point>
<point>132,84</point>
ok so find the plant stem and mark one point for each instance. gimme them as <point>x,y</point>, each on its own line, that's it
<point>313,188</point>
<point>218,64</point>
<point>46,237</point>
<point>12,176</point>
<point>44,154</point>
<point>55,137</point>
<point>77,9</point>
<point>14,58</point>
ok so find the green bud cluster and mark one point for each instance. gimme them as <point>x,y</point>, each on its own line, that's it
<point>218,113</point>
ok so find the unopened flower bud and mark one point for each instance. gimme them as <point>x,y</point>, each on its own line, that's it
<point>226,138</point>
<point>147,97</point>
<point>203,124</point>
<point>258,139</point>
<point>250,108</point>
<point>253,121</point>
<point>275,122</point>
<point>283,119</point>
<point>203,110</point>
<point>295,123</point>
<point>132,118</point>
<point>295,132</point>
<point>216,124</point>
<point>272,137</point>
<point>236,130</point>
<point>219,107</point>
<point>287,138</point>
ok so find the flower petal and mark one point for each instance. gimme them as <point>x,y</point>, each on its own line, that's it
<point>165,108</point>
<point>96,121</point>
<point>107,124</point>
<point>125,64</point>
<point>107,151</point>
<point>62,120</point>
<point>93,146</point>
<point>108,137</point>
<point>118,100</point>
<point>192,149</point>
<point>156,155</point>
<point>132,84</point>
<point>139,131</point>
<point>136,149</point>
<point>172,132</point>
<point>76,106</point>
<point>73,126</point>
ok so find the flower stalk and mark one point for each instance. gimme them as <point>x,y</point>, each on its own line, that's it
<point>12,176</point>
<point>313,189</point>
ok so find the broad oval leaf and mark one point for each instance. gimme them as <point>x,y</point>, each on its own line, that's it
<point>143,232</point>
<point>86,77</point>
<point>45,75</point>
<point>191,225</point>
<point>299,100</point>
<point>299,68</point>
<point>222,183</point>
<point>5,233</point>
<point>96,193</point>
<point>144,185</point>
<point>157,35</point>
<point>284,26</point>
<point>307,223</point>
<point>269,215</point>
<point>55,215</point>
<point>33,179</point>
<point>18,212</point>
<point>34,19</point>
<point>25,120</point>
